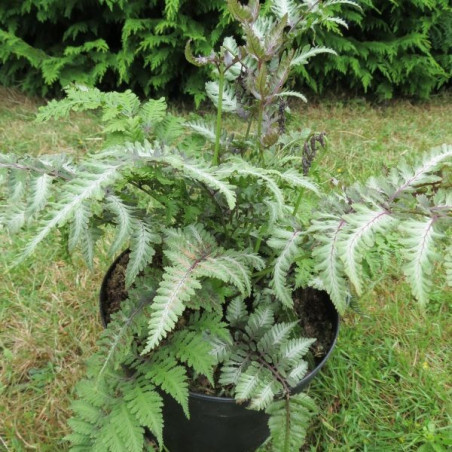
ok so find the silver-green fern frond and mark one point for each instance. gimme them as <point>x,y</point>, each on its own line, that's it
<point>303,56</point>
<point>286,243</point>
<point>88,185</point>
<point>328,265</point>
<point>289,420</point>
<point>204,174</point>
<point>290,8</point>
<point>419,252</point>
<point>358,235</point>
<point>203,129</point>
<point>230,101</point>
<point>141,249</point>
<point>194,256</point>
<point>41,190</point>
<point>406,177</point>
<point>241,168</point>
<point>124,219</point>
<point>295,179</point>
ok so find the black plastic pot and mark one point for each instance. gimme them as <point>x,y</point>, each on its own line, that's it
<point>217,424</point>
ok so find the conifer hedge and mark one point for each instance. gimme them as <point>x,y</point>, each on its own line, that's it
<point>391,46</point>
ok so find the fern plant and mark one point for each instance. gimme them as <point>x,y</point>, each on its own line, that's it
<point>220,228</point>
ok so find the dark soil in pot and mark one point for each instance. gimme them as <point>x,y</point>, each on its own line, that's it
<point>317,318</point>
<point>218,423</point>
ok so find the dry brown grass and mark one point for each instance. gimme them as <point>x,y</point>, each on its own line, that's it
<point>49,322</point>
<point>48,308</point>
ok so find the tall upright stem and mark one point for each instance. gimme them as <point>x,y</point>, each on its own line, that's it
<point>260,119</point>
<point>216,155</point>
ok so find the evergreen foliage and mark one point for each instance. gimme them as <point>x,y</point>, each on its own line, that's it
<point>397,47</point>
<point>387,49</point>
<point>107,43</point>
<point>220,229</point>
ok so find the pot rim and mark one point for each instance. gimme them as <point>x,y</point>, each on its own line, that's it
<point>196,395</point>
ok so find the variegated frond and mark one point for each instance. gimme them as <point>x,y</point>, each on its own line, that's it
<point>184,245</point>
<point>406,177</point>
<point>286,242</point>
<point>232,51</point>
<point>296,179</point>
<point>14,219</point>
<point>358,236</point>
<point>177,287</point>
<point>207,175</point>
<point>230,102</point>
<point>263,28</point>
<point>260,321</point>
<point>240,168</point>
<point>28,185</point>
<point>293,94</point>
<point>265,392</point>
<point>88,244</point>
<point>277,335</point>
<point>247,383</point>
<point>237,313</point>
<point>289,420</point>
<point>17,184</point>
<point>253,381</point>
<point>40,188</point>
<point>141,249</point>
<point>194,255</point>
<point>79,225</point>
<point>327,230</point>
<point>190,168</point>
<point>420,254</point>
<point>89,184</point>
<point>276,212</point>
<point>342,2</point>
<point>293,350</point>
<point>290,8</point>
<point>303,56</point>
<point>231,267</point>
<point>337,21</point>
<point>116,339</point>
<point>202,128</point>
<point>130,227</point>
<point>234,366</point>
<point>124,219</point>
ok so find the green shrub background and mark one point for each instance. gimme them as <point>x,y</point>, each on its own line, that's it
<point>392,47</point>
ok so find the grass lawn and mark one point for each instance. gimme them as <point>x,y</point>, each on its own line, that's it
<point>387,386</point>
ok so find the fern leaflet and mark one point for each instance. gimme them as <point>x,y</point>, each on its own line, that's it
<point>285,242</point>
<point>419,253</point>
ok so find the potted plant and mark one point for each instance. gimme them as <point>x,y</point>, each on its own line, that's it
<point>229,245</point>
